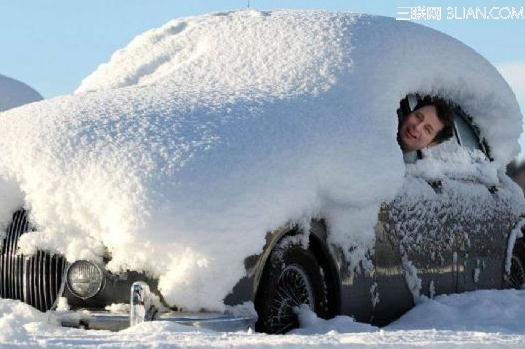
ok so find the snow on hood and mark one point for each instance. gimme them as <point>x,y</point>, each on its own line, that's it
<point>14,93</point>
<point>200,136</point>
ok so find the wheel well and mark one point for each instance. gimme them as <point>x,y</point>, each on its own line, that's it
<point>519,245</point>
<point>331,276</point>
<point>317,244</point>
<point>519,249</point>
<point>516,275</point>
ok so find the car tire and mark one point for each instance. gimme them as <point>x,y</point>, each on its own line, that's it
<point>292,276</point>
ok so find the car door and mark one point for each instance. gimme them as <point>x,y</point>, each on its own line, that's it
<point>414,252</point>
<point>446,230</point>
<point>484,214</point>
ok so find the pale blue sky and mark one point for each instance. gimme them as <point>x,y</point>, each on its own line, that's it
<point>52,45</point>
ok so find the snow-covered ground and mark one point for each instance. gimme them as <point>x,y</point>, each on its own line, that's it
<point>491,319</point>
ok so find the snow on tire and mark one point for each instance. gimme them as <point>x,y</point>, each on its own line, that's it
<point>291,277</point>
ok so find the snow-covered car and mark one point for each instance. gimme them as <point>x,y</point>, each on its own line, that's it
<point>14,93</point>
<point>248,160</point>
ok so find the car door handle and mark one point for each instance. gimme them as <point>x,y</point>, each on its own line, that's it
<point>493,189</point>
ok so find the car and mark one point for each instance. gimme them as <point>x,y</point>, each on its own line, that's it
<point>224,169</point>
<point>14,93</point>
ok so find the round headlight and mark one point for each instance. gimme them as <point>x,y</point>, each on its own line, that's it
<point>84,279</point>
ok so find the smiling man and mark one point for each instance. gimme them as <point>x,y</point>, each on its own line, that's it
<point>429,124</point>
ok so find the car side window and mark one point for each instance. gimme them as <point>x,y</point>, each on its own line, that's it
<point>466,134</point>
<point>441,150</point>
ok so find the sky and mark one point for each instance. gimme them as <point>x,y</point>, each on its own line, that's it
<point>53,45</point>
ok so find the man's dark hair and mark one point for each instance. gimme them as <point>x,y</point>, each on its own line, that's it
<point>445,114</point>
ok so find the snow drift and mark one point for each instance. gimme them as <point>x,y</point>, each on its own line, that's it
<point>181,152</point>
<point>473,320</point>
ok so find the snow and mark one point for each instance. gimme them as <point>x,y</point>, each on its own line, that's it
<point>17,319</point>
<point>411,278</point>
<point>483,311</point>
<point>121,308</point>
<point>480,319</point>
<point>449,160</point>
<point>212,130</point>
<point>14,93</point>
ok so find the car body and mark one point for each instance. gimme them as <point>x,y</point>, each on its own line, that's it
<point>270,175</point>
<point>15,93</point>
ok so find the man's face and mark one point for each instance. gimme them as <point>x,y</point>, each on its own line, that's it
<point>419,128</point>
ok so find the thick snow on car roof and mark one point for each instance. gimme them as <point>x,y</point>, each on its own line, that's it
<point>200,136</point>
<point>14,93</point>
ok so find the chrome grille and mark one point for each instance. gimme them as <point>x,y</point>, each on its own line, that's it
<point>35,280</point>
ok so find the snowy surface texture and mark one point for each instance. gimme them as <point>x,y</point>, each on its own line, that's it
<point>210,131</point>
<point>481,319</point>
<point>14,93</point>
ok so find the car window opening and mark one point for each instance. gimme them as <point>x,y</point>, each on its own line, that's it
<point>424,122</point>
